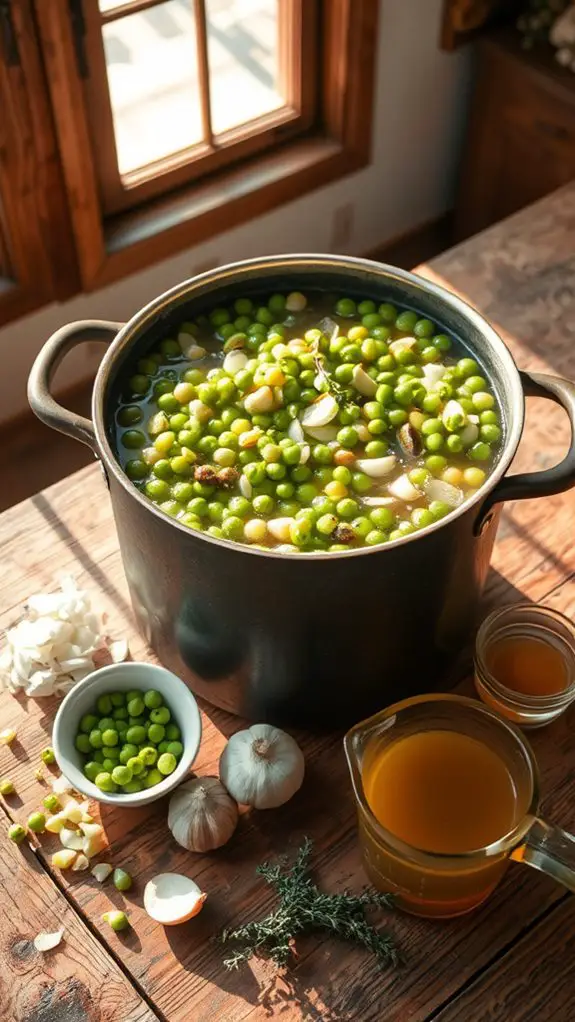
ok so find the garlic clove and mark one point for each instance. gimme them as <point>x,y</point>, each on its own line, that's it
<point>72,839</point>
<point>295,431</point>
<point>322,433</point>
<point>48,941</point>
<point>320,412</point>
<point>172,898</point>
<point>101,871</point>
<point>377,468</point>
<point>363,383</point>
<point>403,489</point>
<point>436,489</point>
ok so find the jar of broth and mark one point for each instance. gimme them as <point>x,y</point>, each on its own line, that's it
<point>525,663</point>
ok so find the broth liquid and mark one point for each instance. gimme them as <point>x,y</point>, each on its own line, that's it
<point>527,665</point>
<point>439,792</point>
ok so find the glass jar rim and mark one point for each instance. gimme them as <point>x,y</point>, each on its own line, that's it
<point>488,631</point>
<point>422,856</point>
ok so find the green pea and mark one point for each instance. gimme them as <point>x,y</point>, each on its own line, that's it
<point>348,436</point>
<point>110,737</point>
<point>121,879</point>
<point>490,433</point>
<point>82,743</point>
<point>156,732</point>
<point>406,321</point>
<point>345,307</point>
<point>360,482</point>
<point>121,774</point>
<point>127,752</point>
<point>382,518</point>
<point>301,474</point>
<point>168,403</point>
<point>139,384</point>
<point>423,328</point>
<point>375,537</point>
<point>175,748</point>
<point>434,442</point>
<point>436,463</point>
<point>422,517</point>
<point>361,526</point>
<point>243,306</point>
<point>117,919</point>
<point>347,508</point>
<point>233,527</point>
<point>120,713</point>
<point>305,493</point>
<point>388,312</point>
<point>479,452</point>
<point>397,416</point>
<point>454,443</point>
<point>16,833</point>
<point>376,448</point>
<point>136,469</point>
<point>95,738</point>
<point>104,781</point>
<point>322,454</point>
<point>136,735</point>
<point>263,504</point>
<point>173,733</point>
<point>91,771</point>
<point>351,353</point>
<point>300,532</point>
<point>88,722</point>
<point>157,489</point>
<point>439,509</point>
<point>442,342</point>
<point>342,474</point>
<point>129,415</point>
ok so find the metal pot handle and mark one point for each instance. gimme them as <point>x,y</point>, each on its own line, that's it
<point>47,361</point>
<point>551,480</point>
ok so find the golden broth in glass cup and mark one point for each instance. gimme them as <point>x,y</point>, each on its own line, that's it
<point>447,793</point>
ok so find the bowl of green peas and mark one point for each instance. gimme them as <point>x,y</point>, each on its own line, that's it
<point>127,734</point>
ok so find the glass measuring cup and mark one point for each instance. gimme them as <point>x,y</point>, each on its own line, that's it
<point>443,885</point>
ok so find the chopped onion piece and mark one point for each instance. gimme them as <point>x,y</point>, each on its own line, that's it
<point>81,863</point>
<point>305,454</point>
<point>72,811</point>
<point>48,941</point>
<point>380,501</point>
<point>172,898</point>
<point>55,824</point>
<point>64,858</point>
<point>376,468</point>
<point>403,489</point>
<point>436,489</point>
<point>295,431</point>
<point>119,651</point>
<point>102,871</point>
<point>72,839</point>
<point>362,382</point>
<point>362,432</point>
<point>320,412</point>
<point>200,411</point>
<point>432,374</point>
<point>61,785</point>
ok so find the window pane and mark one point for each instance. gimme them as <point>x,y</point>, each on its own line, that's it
<point>152,72</point>
<point>243,49</point>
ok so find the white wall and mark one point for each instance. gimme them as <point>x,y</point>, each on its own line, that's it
<point>419,113</point>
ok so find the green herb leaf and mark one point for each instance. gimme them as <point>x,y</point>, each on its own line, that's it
<point>303,908</point>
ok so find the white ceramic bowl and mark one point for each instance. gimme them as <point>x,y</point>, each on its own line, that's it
<point>121,678</point>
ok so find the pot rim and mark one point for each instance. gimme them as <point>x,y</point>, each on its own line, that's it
<point>231,273</point>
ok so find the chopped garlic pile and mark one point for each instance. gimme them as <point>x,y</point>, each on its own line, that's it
<point>81,838</point>
<point>53,646</point>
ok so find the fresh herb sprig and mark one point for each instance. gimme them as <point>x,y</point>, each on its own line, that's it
<point>333,386</point>
<point>303,908</point>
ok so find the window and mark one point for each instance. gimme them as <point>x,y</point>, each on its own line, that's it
<point>147,125</point>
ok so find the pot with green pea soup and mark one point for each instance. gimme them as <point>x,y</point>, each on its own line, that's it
<point>306,458</point>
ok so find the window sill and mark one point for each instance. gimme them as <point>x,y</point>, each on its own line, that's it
<point>164,227</point>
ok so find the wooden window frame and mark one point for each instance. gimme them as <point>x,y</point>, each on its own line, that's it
<point>109,247</point>
<point>38,261</point>
<point>297,20</point>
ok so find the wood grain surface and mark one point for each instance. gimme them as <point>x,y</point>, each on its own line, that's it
<point>75,982</point>
<point>69,528</point>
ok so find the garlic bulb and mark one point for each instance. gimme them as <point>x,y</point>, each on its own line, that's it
<point>262,767</point>
<point>202,815</point>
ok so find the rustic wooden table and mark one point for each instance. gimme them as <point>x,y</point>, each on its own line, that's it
<point>512,960</point>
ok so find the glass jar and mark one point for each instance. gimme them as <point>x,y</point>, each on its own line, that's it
<point>525,663</point>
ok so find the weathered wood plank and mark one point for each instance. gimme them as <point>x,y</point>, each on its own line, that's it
<point>533,982</point>
<point>78,981</point>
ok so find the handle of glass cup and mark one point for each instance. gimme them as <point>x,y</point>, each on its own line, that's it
<point>40,398</point>
<point>550,850</point>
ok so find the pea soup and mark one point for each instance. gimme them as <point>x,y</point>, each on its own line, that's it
<point>303,423</point>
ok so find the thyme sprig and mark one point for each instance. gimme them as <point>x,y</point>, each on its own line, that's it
<point>303,908</point>
<point>334,387</point>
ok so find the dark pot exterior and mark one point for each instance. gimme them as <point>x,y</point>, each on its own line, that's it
<point>313,640</point>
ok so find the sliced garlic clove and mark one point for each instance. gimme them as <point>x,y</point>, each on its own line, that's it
<point>432,374</point>
<point>380,501</point>
<point>362,382</point>
<point>119,651</point>
<point>305,454</point>
<point>295,431</point>
<point>436,489</point>
<point>402,344</point>
<point>280,528</point>
<point>403,489</point>
<point>377,468</point>
<point>261,400</point>
<point>325,434</point>
<point>320,412</point>
<point>48,941</point>
<point>362,432</point>
<point>64,858</point>
<point>235,361</point>
<point>469,434</point>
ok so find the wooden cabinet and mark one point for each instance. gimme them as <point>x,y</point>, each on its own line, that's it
<point>520,142</point>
